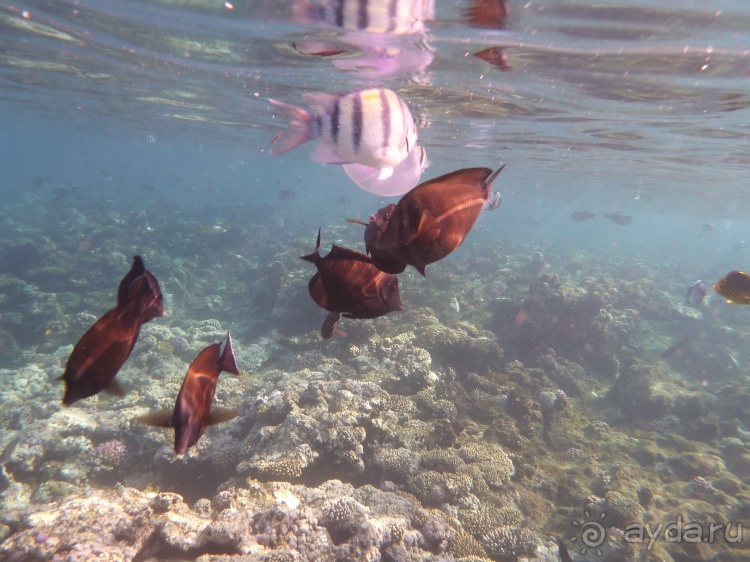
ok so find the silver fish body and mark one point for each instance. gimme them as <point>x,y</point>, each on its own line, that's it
<point>372,127</point>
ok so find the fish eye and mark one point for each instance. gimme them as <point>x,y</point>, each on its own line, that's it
<point>387,216</point>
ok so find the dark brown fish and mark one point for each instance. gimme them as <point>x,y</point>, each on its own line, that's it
<point>580,216</point>
<point>488,13</point>
<point>103,349</point>
<point>348,283</point>
<point>619,218</point>
<point>192,412</point>
<point>494,56</point>
<point>430,221</point>
<point>735,287</point>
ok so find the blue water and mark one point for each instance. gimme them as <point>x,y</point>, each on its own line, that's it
<point>143,127</point>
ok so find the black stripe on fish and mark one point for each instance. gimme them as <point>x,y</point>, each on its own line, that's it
<point>385,117</point>
<point>357,121</point>
<point>335,122</point>
<point>338,13</point>
<point>392,7</point>
<point>363,17</point>
<point>318,125</point>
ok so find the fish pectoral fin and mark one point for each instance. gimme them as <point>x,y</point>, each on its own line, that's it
<point>221,415</point>
<point>162,418</point>
<point>385,173</point>
<point>115,389</point>
<point>427,230</point>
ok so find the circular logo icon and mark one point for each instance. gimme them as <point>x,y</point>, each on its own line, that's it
<point>591,534</point>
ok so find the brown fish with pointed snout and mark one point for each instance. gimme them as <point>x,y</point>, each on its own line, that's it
<point>192,412</point>
<point>348,284</point>
<point>430,221</point>
<point>103,349</point>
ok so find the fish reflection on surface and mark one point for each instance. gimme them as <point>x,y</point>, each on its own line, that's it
<point>488,13</point>
<point>381,37</point>
<point>495,56</point>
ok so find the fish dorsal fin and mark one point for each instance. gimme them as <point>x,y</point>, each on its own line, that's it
<point>162,418</point>
<point>221,415</point>
<point>115,389</point>
<point>321,103</point>
<point>313,257</point>
<point>228,361</point>
<point>135,272</point>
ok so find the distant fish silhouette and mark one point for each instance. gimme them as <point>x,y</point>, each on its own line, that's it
<point>580,216</point>
<point>619,218</point>
<point>708,227</point>
<point>285,194</point>
<point>348,283</point>
<point>103,349</point>
<point>696,292</point>
<point>735,287</point>
<point>430,221</point>
<point>676,350</point>
<point>192,412</point>
<point>495,56</point>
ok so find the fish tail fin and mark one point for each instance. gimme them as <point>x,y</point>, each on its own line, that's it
<point>162,418</point>
<point>299,130</point>
<point>228,361</point>
<point>313,257</point>
<point>221,415</point>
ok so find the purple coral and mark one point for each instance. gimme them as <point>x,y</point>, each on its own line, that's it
<point>109,454</point>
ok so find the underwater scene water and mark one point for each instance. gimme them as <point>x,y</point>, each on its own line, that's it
<point>569,378</point>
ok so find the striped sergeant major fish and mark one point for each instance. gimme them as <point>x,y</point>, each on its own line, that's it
<point>395,17</point>
<point>371,127</point>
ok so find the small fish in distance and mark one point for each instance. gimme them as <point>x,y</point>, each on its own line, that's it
<point>580,216</point>
<point>735,287</point>
<point>192,412</point>
<point>619,218</point>
<point>696,293</point>
<point>348,283</point>
<point>676,349</point>
<point>430,221</point>
<point>103,349</point>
